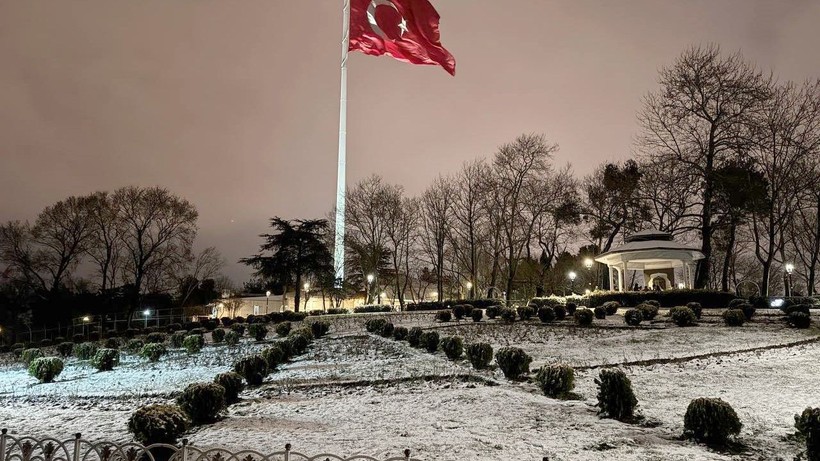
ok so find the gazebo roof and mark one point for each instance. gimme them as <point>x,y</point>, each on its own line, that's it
<point>652,246</point>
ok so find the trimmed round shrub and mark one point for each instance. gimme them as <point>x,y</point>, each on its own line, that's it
<point>297,342</point>
<point>45,342</point>
<point>683,316</point>
<point>513,361</point>
<point>808,425</point>
<point>45,369</point>
<point>444,316</point>
<point>177,338</point>
<point>556,380</point>
<point>492,312</point>
<point>736,302</point>
<point>273,355</point>
<point>648,311</point>
<point>85,351</point>
<point>560,312</point>
<point>193,343</point>
<point>29,355</point>
<point>105,359</point>
<point>799,320</point>
<point>134,346</point>
<point>173,327</point>
<point>253,369</point>
<point>734,318</point>
<point>429,340</point>
<point>156,338</point>
<point>525,312</point>
<point>400,333</point>
<point>696,308</point>
<point>583,317</point>
<point>571,308</point>
<point>233,385</point>
<point>468,309</point>
<point>287,351</point>
<point>600,313</point>
<point>611,307</point>
<point>476,314</point>
<point>112,343</point>
<point>453,347</point>
<point>218,335</point>
<point>153,351</point>
<point>202,402</point>
<point>197,331</point>
<point>387,330</point>
<point>258,331</point>
<point>796,308</point>
<point>615,397</point>
<point>507,314</point>
<point>546,314</point>
<point>458,311</point>
<point>633,317</point>
<point>653,302</point>
<point>231,338</point>
<point>158,424</point>
<point>65,349</point>
<point>210,325</point>
<point>414,336</point>
<point>479,354</point>
<point>748,310</point>
<point>319,328</point>
<point>711,421</point>
<point>238,327</point>
<point>374,325</point>
<point>130,333</point>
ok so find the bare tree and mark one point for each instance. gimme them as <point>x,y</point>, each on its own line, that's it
<point>699,118</point>
<point>205,265</point>
<point>105,247</point>
<point>436,205</point>
<point>469,229</point>
<point>367,208</point>
<point>400,230</point>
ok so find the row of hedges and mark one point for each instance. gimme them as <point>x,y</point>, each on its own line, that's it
<point>667,298</point>
<point>449,303</point>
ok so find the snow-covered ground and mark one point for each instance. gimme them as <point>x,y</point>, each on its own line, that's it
<point>354,393</point>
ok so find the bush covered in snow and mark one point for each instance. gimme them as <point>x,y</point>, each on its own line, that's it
<point>399,333</point>
<point>105,359</point>
<point>238,327</point>
<point>560,312</point>
<point>202,402</point>
<point>253,369</point>
<point>372,308</point>
<point>233,385</point>
<point>611,307</point>
<point>513,361</point>
<point>507,314</point>
<point>414,336</point>
<point>45,369</point>
<point>546,314</point>
<point>193,343</point>
<point>492,312</point>
<point>600,313</point>
<point>429,340</point>
<point>258,331</point>
<point>697,309</point>
<point>711,421</point>
<point>113,342</point>
<point>525,312</point>
<point>299,340</point>
<point>387,330</point>
<point>218,335</point>
<point>453,347</point>
<point>615,397</point>
<point>231,338</point>
<point>668,298</point>
<point>283,329</point>
<point>571,307</point>
<point>583,317</point>
<point>648,310</point>
<point>177,338</point>
<point>156,338</point>
<point>444,316</point>
<point>748,310</point>
<point>476,314</point>
<point>734,318</point>
<point>808,425</point>
<point>479,354</point>
<point>153,351</point>
<point>799,320</point>
<point>134,346</point>
<point>683,316</point>
<point>273,355</point>
<point>556,380</point>
<point>158,424</point>
<point>458,311</point>
<point>633,317</point>
<point>319,328</point>
<point>29,355</point>
<point>374,325</point>
<point>65,349</point>
<point>85,351</point>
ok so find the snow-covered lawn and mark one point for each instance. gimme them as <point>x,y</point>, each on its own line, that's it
<point>355,393</point>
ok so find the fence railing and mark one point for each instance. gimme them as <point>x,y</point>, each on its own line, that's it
<point>77,449</point>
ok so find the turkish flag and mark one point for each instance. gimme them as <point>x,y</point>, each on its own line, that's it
<point>407,30</point>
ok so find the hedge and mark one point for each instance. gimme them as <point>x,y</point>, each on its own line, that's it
<point>449,303</point>
<point>667,298</point>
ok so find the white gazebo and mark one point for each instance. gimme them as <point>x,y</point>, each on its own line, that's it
<point>657,255</point>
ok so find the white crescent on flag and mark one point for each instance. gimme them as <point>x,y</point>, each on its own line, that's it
<point>371,17</point>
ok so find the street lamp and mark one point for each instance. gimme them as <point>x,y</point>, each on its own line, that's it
<point>588,263</point>
<point>370,278</point>
<point>470,290</point>
<point>146,313</point>
<point>572,276</point>
<point>306,286</point>
<point>267,300</point>
<point>86,319</point>
<point>789,270</point>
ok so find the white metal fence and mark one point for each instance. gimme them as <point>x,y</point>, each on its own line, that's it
<point>77,449</point>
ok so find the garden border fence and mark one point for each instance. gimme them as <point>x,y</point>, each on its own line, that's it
<point>27,448</point>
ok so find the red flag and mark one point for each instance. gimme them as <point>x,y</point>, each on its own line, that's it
<point>404,29</point>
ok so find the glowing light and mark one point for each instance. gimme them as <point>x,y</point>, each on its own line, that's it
<point>789,268</point>
<point>383,294</point>
<point>588,263</point>
<point>777,303</point>
<point>587,291</point>
<point>572,275</point>
<point>681,286</point>
<point>469,285</point>
<point>370,278</point>
<point>267,293</point>
<point>307,286</point>
<point>146,312</point>
<point>86,319</point>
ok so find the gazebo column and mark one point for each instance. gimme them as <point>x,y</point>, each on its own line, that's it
<point>611,284</point>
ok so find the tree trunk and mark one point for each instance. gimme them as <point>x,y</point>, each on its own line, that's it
<point>727,259</point>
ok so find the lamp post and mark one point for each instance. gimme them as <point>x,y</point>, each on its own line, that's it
<point>789,270</point>
<point>86,319</point>
<point>588,262</point>
<point>306,286</point>
<point>267,300</point>
<point>469,290</point>
<point>146,313</point>
<point>572,276</point>
<point>382,295</point>
<point>370,278</point>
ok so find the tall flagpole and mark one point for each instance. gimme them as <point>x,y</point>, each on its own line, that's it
<point>339,243</point>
